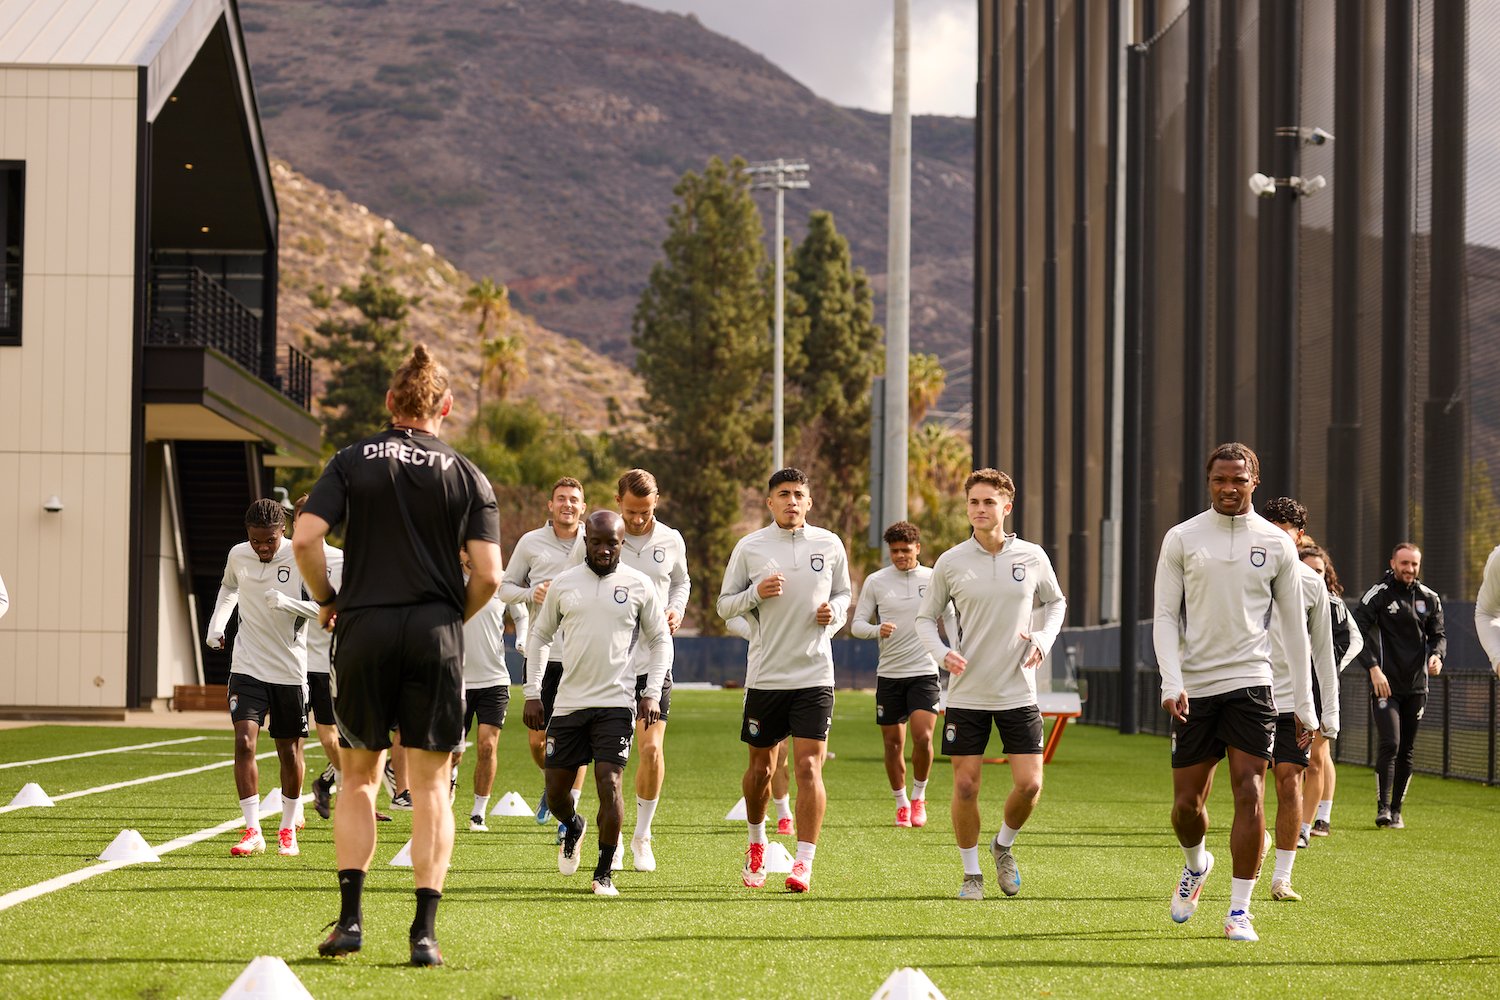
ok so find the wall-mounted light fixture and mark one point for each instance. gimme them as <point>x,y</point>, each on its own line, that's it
<point>1263,186</point>
<point>52,504</point>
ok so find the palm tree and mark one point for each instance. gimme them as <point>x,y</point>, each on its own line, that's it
<point>504,358</point>
<point>492,302</point>
<point>925,380</point>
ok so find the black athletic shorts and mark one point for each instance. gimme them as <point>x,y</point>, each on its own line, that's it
<point>1286,750</point>
<point>551,678</point>
<point>400,668</point>
<point>590,734</point>
<point>488,705</point>
<point>897,697</point>
<point>320,693</point>
<point>772,716</point>
<point>666,693</point>
<point>1243,719</point>
<point>251,698</point>
<point>966,731</point>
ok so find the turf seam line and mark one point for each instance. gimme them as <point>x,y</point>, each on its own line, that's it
<point>139,781</point>
<point>97,753</point>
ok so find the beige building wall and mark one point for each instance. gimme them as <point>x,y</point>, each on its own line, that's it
<point>65,393</point>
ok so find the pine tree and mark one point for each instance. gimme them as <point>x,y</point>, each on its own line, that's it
<point>702,351</point>
<point>366,349</point>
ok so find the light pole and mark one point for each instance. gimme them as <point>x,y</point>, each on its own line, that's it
<point>779,176</point>
<point>898,275</point>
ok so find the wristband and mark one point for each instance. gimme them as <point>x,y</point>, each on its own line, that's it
<point>331,598</point>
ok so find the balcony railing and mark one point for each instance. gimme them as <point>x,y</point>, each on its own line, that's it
<point>187,306</point>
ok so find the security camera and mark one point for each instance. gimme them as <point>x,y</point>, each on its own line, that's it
<point>52,504</point>
<point>1318,137</point>
<point>1262,186</point>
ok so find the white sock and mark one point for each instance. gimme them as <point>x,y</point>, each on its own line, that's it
<point>919,790</point>
<point>805,851</point>
<point>1006,836</point>
<point>899,794</point>
<point>1196,856</point>
<point>338,778</point>
<point>1307,829</point>
<point>1239,894</point>
<point>1284,861</point>
<point>251,808</point>
<point>577,794</point>
<point>757,832</point>
<point>783,807</point>
<point>645,812</point>
<point>481,803</point>
<point>970,856</point>
<point>1325,809</point>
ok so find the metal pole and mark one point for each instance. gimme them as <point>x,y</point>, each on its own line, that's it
<point>1195,265</point>
<point>1020,374</point>
<point>1051,390</point>
<point>1121,17</point>
<point>1227,240</point>
<point>898,276</point>
<point>1078,539</point>
<point>778,394</point>
<point>1396,262</point>
<point>1131,472</point>
<point>1345,533</point>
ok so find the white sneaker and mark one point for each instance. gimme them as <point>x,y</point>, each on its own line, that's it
<point>1189,888</point>
<point>1237,927</point>
<point>641,855</point>
<point>1007,872</point>
<point>618,864</point>
<point>1282,891</point>
<point>568,853</point>
<point>604,887</point>
<point>476,824</point>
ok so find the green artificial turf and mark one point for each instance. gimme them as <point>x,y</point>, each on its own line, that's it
<point>1392,913</point>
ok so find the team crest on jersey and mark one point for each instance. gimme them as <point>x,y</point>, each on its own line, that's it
<point>622,595</point>
<point>1018,571</point>
<point>921,590</point>
<point>551,746</point>
<point>1421,607</point>
<point>817,564</point>
<point>1257,556</point>
<point>659,554</point>
<point>879,711</point>
<point>752,726</point>
<point>284,574</point>
<point>234,703</point>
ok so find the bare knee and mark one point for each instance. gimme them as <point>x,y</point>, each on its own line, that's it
<point>1029,788</point>
<point>965,787</point>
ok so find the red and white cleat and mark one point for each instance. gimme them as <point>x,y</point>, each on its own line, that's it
<point>918,812</point>
<point>287,847</point>
<point>754,873</point>
<point>903,816</point>
<point>784,826</point>
<point>800,880</point>
<point>252,842</point>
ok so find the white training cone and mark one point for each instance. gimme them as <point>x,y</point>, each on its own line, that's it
<point>511,804</point>
<point>129,846</point>
<point>738,812</point>
<point>269,979</point>
<point>31,794</point>
<point>908,984</point>
<point>271,803</point>
<point>403,857</point>
<point>778,858</point>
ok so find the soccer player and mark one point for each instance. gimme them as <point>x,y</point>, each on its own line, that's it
<point>539,556</point>
<point>320,694</point>
<point>603,606</point>
<point>487,692</point>
<point>409,502</point>
<point>1486,609</point>
<point>781,775</point>
<point>1291,757</point>
<point>268,673</point>
<point>1011,609</point>
<point>1319,782</point>
<point>906,677</point>
<point>1402,622</point>
<point>790,580</point>
<point>1217,579</point>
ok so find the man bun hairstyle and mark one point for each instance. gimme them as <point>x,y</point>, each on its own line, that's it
<point>419,385</point>
<point>903,532</point>
<point>991,477</point>
<point>638,483</point>
<point>1234,451</point>
<point>266,513</point>
<point>1285,510</point>
<point>787,475</point>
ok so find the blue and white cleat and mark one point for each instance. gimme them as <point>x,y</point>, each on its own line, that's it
<point>1237,927</point>
<point>542,812</point>
<point>1189,888</point>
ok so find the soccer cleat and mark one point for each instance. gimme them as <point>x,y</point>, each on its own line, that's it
<point>252,842</point>
<point>1189,888</point>
<point>567,852</point>
<point>903,816</point>
<point>918,812</point>
<point>287,846</point>
<point>604,887</point>
<point>381,817</point>
<point>542,812</point>
<point>342,940</point>
<point>402,801</point>
<point>1321,828</point>
<point>388,779</point>
<point>476,824</point>
<point>1265,847</point>
<point>322,794</point>
<point>800,880</point>
<point>1007,872</point>
<point>1383,816</point>
<point>754,873</point>
<point>1237,927</point>
<point>643,859</point>
<point>1302,840</point>
<point>562,831</point>
<point>973,887</point>
<point>1282,891</point>
<point>424,951</point>
<point>784,826</point>
<point>1396,823</point>
<point>617,863</point>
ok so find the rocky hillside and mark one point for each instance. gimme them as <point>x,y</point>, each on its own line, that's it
<point>325,240</point>
<point>538,143</point>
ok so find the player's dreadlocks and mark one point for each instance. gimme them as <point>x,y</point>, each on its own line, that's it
<point>265,513</point>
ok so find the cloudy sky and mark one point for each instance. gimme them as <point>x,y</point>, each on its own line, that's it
<point>841,49</point>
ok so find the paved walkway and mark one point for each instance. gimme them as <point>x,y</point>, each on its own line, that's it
<point>138,720</point>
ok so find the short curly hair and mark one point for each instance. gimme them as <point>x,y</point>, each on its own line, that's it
<point>1285,510</point>
<point>991,477</point>
<point>903,532</point>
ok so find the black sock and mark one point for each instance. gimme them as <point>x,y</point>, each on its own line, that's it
<point>422,925</point>
<point>606,861</point>
<point>351,891</point>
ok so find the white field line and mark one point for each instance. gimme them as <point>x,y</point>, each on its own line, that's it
<point>97,753</point>
<point>73,878</point>
<point>139,781</point>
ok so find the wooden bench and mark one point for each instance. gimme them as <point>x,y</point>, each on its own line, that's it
<point>199,697</point>
<point>1060,707</point>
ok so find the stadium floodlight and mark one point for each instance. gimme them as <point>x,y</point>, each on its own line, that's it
<point>1262,186</point>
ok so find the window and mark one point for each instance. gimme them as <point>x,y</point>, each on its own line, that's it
<point>12,200</point>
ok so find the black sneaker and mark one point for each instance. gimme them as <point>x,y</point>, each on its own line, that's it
<point>342,940</point>
<point>1396,823</point>
<point>401,801</point>
<point>1321,828</point>
<point>424,951</point>
<point>1383,816</point>
<point>322,795</point>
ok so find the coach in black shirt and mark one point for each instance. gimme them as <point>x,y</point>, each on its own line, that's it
<point>408,503</point>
